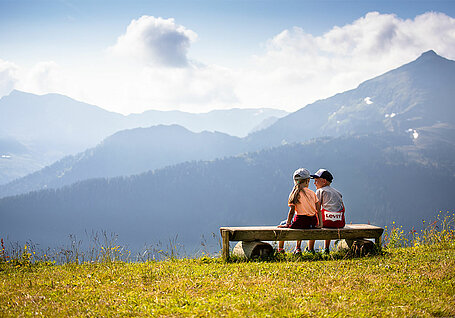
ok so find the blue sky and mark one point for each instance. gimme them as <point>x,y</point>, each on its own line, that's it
<point>130,56</point>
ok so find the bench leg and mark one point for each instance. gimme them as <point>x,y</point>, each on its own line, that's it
<point>225,250</point>
<point>377,241</point>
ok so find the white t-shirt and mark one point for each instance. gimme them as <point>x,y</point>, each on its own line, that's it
<point>331,198</point>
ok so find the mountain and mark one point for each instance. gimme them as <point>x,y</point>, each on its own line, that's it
<point>53,126</point>
<point>23,162</point>
<point>130,152</point>
<point>50,127</point>
<point>266,123</point>
<point>416,95</point>
<point>235,121</point>
<point>378,180</point>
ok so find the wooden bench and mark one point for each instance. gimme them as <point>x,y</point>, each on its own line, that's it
<point>272,233</point>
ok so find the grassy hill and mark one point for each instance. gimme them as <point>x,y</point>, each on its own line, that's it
<point>418,280</point>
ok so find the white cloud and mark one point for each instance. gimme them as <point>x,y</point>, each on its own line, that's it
<point>299,68</point>
<point>202,87</point>
<point>158,73</point>
<point>44,77</point>
<point>8,77</point>
<point>296,68</point>
<point>194,89</point>
<point>135,88</point>
<point>155,41</point>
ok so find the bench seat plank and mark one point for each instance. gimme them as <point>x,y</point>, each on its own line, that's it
<point>273,233</point>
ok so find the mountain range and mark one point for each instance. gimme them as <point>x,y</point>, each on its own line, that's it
<point>130,152</point>
<point>398,101</point>
<point>192,200</point>
<point>389,143</point>
<point>52,126</point>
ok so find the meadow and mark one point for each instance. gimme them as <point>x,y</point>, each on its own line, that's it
<point>413,275</point>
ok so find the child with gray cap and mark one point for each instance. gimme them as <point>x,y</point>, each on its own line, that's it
<point>331,200</point>
<point>304,207</point>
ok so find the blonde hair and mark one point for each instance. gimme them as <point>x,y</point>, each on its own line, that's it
<point>299,185</point>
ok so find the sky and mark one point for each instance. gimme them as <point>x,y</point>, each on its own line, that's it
<point>200,55</point>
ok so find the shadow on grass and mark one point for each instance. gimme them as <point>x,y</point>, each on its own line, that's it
<point>308,257</point>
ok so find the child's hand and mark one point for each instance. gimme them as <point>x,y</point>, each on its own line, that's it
<point>283,226</point>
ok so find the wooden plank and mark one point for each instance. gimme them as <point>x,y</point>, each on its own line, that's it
<point>273,233</point>
<point>225,248</point>
<point>347,227</point>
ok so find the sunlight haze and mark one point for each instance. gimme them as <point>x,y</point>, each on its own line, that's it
<point>196,56</point>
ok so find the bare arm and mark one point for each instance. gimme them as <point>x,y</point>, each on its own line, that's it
<point>318,208</point>
<point>290,216</point>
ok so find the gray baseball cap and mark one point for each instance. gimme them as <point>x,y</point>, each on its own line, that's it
<point>301,174</point>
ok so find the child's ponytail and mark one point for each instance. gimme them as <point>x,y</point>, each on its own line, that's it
<point>295,194</point>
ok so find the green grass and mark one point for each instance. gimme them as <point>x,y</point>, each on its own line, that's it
<point>416,281</point>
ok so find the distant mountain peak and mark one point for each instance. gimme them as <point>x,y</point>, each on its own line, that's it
<point>429,55</point>
<point>16,92</point>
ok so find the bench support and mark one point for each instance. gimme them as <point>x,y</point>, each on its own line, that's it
<point>350,232</point>
<point>225,250</point>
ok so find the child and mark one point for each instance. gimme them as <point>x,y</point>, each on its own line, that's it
<point>304,203</point>
<point>330,199</point>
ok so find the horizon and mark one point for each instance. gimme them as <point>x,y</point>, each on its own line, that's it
<point>156,110</point>
<point>201,56</point>
<point>207,111</point>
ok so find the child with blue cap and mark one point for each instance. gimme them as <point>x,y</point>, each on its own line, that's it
<point>331,201</point>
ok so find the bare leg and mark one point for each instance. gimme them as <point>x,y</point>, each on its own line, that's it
<point>298,245</point>
<point>327,244</point>
<point>311,245</point>
<point>280,244</point>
